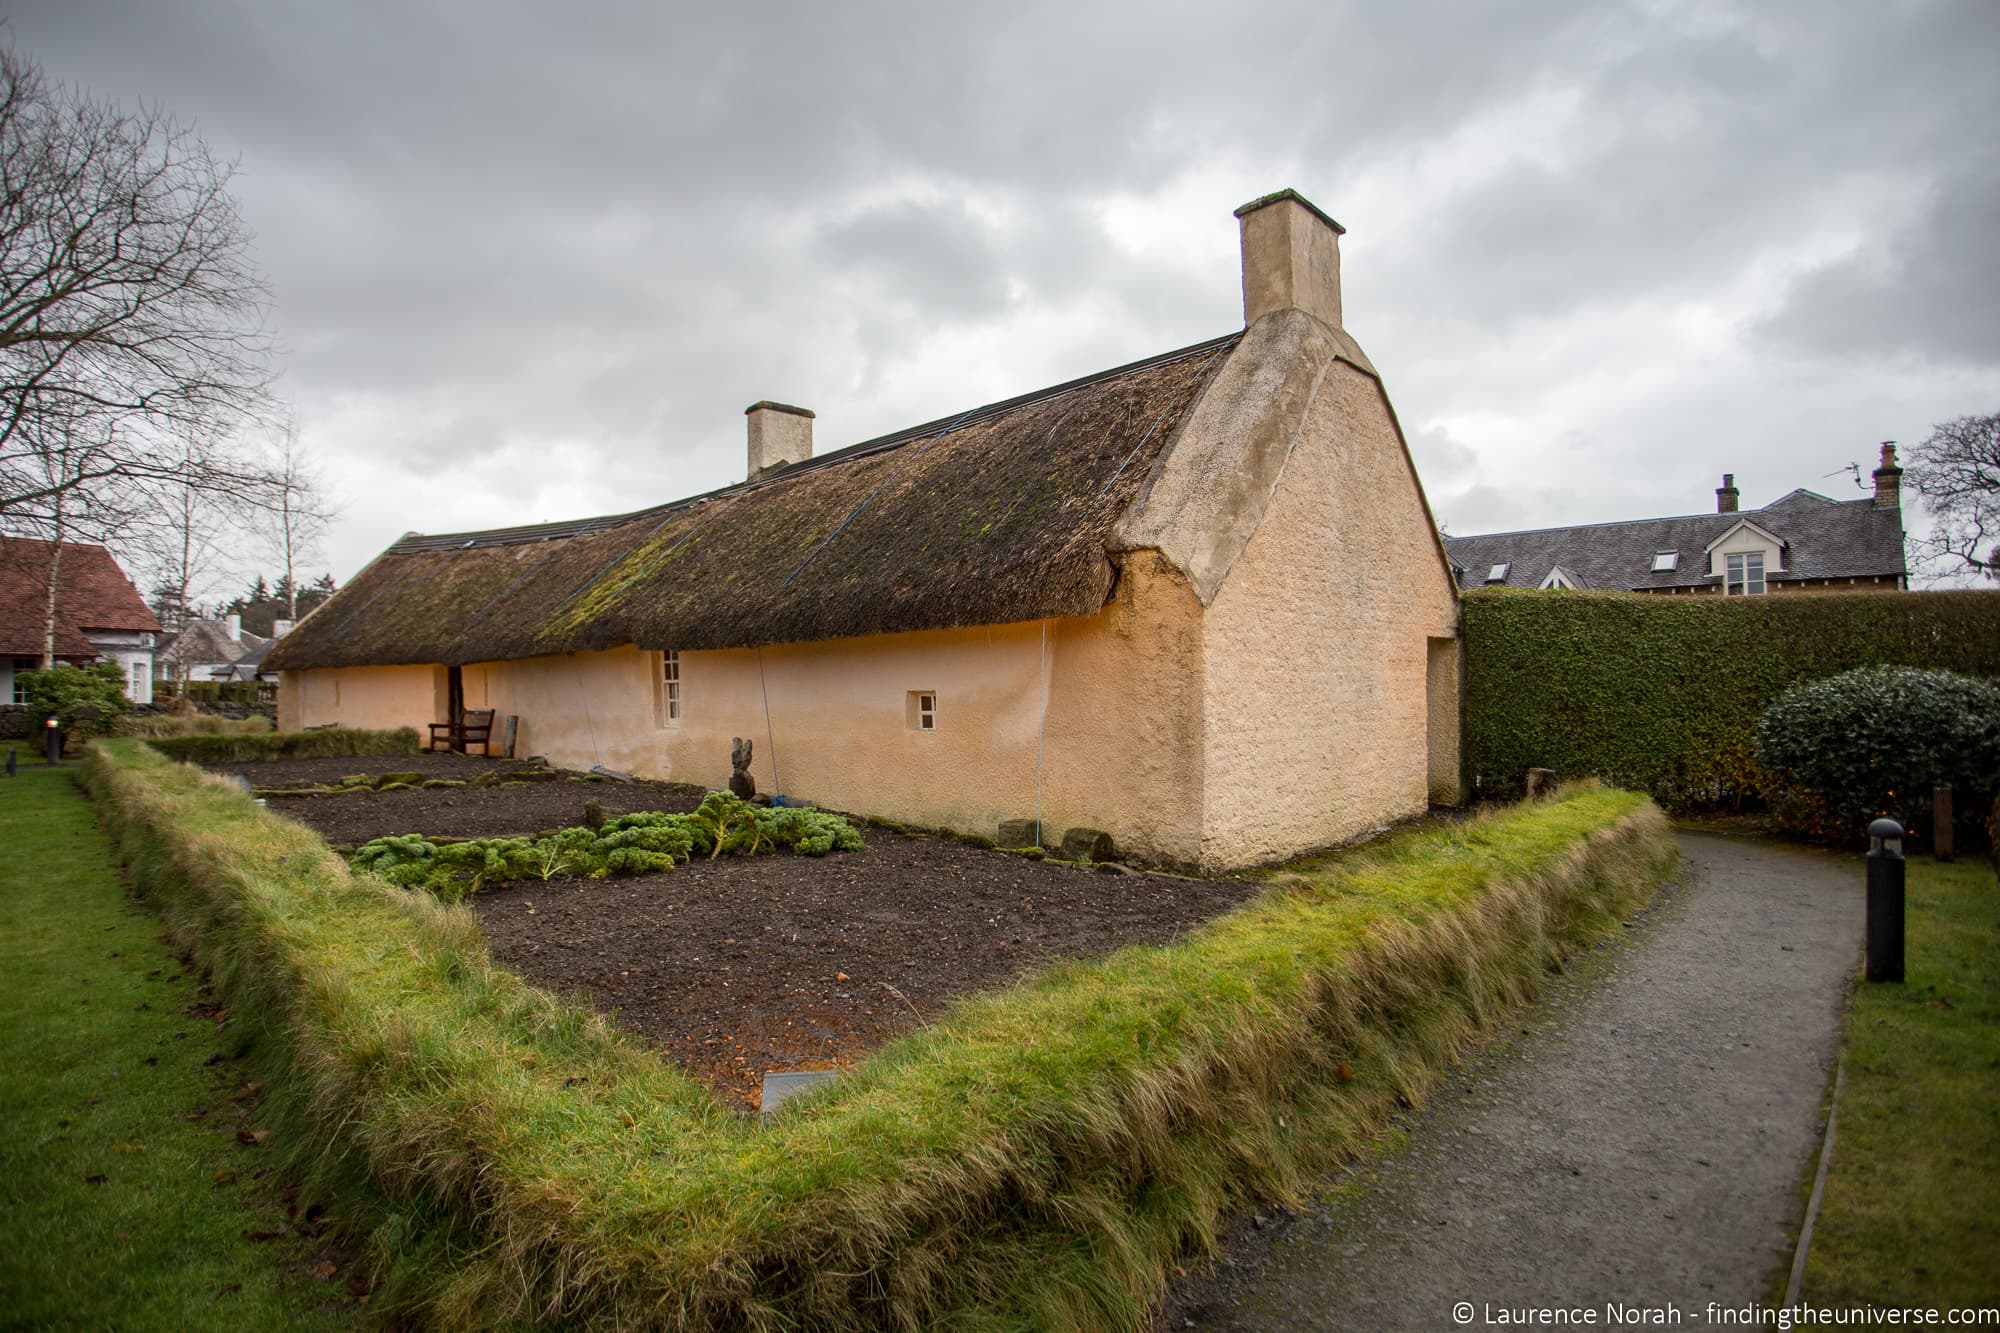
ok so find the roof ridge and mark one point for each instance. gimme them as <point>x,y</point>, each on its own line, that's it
<point>537,532</point>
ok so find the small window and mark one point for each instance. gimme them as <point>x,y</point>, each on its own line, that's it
<point>1745,577</point>
<point>21,686</point>
<point>670,688</point>
<point>921,712</point>
<point>138,691</point>
<point>1498,574</point>
<point>1666,562</point>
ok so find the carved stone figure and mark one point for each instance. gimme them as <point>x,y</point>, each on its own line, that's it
<point>740,781</point>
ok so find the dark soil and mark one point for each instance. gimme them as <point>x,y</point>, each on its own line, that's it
<point>352,818</point>
<point>743,965</point>
<point>332,768</point>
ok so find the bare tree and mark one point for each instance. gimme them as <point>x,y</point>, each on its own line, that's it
<point>1957,471</point>
<point>186,541</point>
<point>130,310</point>
<point>296,513</point>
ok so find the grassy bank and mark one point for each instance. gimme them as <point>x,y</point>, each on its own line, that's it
<point>245,747</point>
<point>113,1121</point>
<point>1911,1214</point>
<point>1041,1156</point>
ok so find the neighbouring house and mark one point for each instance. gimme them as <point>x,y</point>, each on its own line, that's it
<point>99,615</point>
<point>250,666</point>
<point>1800,542</point>
<point>1197,601</point>
<point>208,649</point>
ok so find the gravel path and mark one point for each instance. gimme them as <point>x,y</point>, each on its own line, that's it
<point>1639,1139</point>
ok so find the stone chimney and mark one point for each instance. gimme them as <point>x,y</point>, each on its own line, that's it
<point>1888,479</point>
<point>280,628</point>
<point>779,434</point>
<point>234,624</point>
<point>1725,494</point>
<point>1291,258</point>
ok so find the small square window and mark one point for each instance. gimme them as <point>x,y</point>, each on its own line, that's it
<point>921,711</point>
<point>1498,574</point>
<point>1666,562</point>
<point>670,688</point>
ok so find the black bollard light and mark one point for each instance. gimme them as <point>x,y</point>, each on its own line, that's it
<point>54,728</point>
<point>1885,901</point>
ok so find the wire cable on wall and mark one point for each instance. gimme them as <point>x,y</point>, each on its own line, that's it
<point>777,787</point>
<point>1041,734</point>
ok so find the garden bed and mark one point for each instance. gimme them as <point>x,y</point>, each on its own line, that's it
<point>351,818</point>
<point>1038,1156</point>
<point>743,965</point>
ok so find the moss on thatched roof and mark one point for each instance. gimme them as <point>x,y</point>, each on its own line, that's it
<point>999,514</point>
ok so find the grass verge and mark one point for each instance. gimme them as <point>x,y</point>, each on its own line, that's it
<point>1039,1157</point>
<point>115,1111</point>
<point>249,747</point>
<point>1911,1214</point>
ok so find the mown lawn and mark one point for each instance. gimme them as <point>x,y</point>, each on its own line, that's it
<point>127,1199</point>
<point>1911,1215</point>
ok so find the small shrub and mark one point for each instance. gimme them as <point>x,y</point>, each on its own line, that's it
<point>1875,741</point>
<point>88,701</point>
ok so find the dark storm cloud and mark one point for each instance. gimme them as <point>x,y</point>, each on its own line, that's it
<point>596,232</point>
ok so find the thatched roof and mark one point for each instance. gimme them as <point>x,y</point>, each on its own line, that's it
<point>998,514</point>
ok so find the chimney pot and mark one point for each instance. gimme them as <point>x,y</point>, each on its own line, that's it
<point>280,628</point>
<point>234,624</point>
<point>1888,479</point>
<point>779,434</point>
<point>1291,258</point>
<point>1725,494</point>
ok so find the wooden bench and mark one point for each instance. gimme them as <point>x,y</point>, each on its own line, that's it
<point>474,726</point>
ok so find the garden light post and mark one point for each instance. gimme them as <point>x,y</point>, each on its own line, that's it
<point>54,729</point>
<point>1885,901</point>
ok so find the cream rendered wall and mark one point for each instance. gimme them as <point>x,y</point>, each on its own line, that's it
<point>373,697</point>
<point>1121,750</point>
<point>1317,645</point>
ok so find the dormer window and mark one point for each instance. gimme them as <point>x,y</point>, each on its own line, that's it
<point>1745,575</point>
<point>1498,574</point>
<point>1666,562</point>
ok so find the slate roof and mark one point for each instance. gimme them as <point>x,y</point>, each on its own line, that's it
<point>1824,539</point>
<point>996,515</point>
<point>206,641</point>
<point>92,593</point>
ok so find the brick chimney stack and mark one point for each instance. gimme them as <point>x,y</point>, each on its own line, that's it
<point>1725,494</point>
<point>779,434</point>
<point>1888,479</point>
<point>1291,258</point>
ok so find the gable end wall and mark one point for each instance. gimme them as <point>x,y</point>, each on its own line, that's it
<point>1326,644</point>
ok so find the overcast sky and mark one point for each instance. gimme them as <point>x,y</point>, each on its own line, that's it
<point>532,261</point>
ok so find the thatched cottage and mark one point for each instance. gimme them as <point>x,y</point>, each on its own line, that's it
<point>1197,601</point>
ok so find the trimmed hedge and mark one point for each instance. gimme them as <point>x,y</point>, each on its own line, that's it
<point>250,747</point>
<point>1040,1156</point>
<point>1662,694</point>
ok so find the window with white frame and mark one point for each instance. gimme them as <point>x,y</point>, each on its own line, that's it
<point>20,686</point>
<point>669,703</point>
<point>137,690</point>
<point>1498,572</point>
<point>1745,574</point>
<point>921,713</point>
